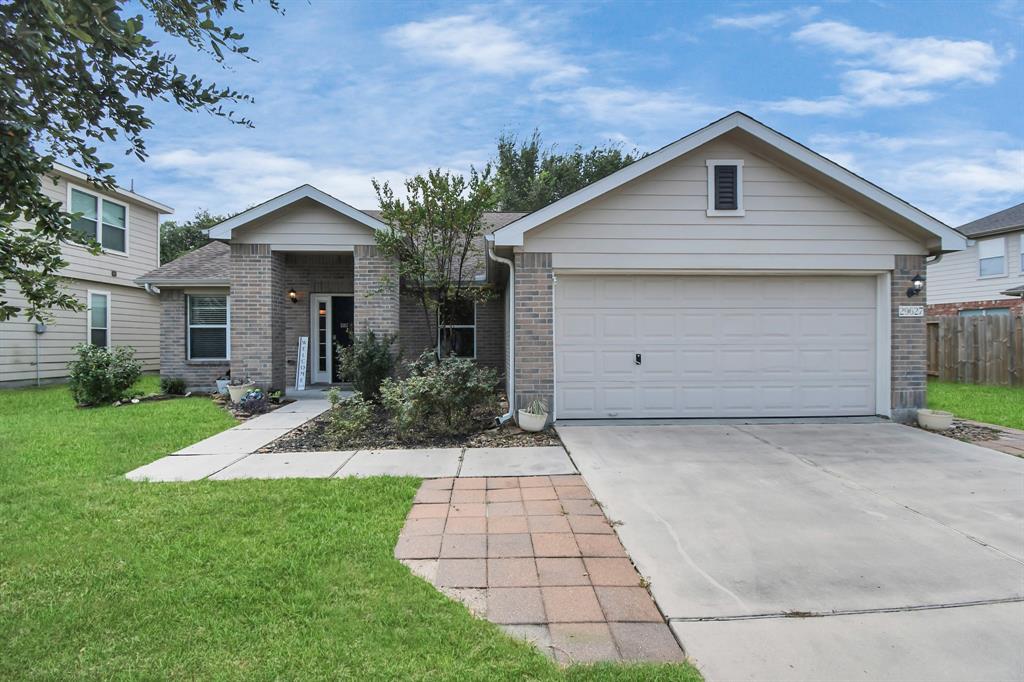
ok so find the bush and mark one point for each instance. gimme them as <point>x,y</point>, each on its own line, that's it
<point>350,416</point>
<point>450,397</point>
<point>172,386</point>
<point>367,362</point>
<point>254,402</point>
<point>102,375</point>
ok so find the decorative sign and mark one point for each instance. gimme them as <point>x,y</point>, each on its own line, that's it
<point>300,365</point>
<point>911,311</point>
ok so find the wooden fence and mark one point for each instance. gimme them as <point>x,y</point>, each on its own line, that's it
<point>977,350</point>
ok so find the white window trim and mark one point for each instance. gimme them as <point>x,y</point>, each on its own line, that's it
<point>88,315</point>
<point>1020,241</point>
<point>712,211</point>
<point>100,198</point>
<point>459,326</point>
<point>189,326</point>
<point>1004,257</point>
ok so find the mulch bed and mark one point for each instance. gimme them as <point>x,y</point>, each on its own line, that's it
<point>313,437</point>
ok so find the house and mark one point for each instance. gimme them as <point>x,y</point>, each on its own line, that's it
<point>119,311</point>
<point>986,278</point>
<point>732,273</point>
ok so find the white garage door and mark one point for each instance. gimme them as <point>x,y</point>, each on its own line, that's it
<point>702,346</point>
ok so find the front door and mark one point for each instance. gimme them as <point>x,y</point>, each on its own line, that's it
<point>331,326</point>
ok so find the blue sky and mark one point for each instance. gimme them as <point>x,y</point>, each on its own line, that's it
<point>923,98</point>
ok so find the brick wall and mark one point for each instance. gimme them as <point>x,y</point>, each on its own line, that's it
<point>258,300</point>
<point>375,283</point>
<point>534,330</point>
<point>1016,306</point>
<point>310,274</point>
<point>414,337</point>
<point>200,375</point>
<point>909,344</point>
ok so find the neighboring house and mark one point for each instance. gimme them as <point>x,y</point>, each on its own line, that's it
<point>987,277</point>
<point>119,311</point>
<point>733,273</point>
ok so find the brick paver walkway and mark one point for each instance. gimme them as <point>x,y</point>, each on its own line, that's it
<point>537,556</point>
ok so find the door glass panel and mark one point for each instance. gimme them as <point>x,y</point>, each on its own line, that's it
<point>322,344</point>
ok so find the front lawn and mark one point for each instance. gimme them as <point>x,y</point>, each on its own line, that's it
<point>1002,405</point>
<point>104,578</point>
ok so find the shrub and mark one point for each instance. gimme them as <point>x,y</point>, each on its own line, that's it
<point>254,402</point>
<point>367,362</point>
<point>349,416</point>
<point>172,385</point>
<point>450,397</point>
<point>102,375</point>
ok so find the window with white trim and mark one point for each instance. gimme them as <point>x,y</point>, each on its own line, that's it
<point>984,312</point>
<point>101,219</point>
<point>725,187</point>
<point>992,257</point>
<point>1021,241</point>
<point>98,318</point>
<point>209,319</point>
<point>456,330</point>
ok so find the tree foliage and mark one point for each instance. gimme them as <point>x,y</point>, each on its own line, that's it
<point>177,239</point>
<point>436,236</point>
<point>528,176</point>
<point>74,73</point>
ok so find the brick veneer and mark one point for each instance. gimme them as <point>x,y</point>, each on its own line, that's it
<point>258,300</point>
<point>534,329</point>
<point>414,337</point>
<point>310,274</point>
<point>909,343</point>
<point>375,282</point>
<point>199,375</point>
<point>1016,306</point>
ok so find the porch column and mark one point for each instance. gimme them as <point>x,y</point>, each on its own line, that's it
<point>257,315</point>
<point>375,284</point>
<point>909,343</point>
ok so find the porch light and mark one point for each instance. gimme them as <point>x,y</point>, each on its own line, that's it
<point>916,285</point>
<point>293,296</point>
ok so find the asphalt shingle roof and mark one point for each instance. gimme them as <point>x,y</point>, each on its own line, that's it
<point>210,262</point>
<point>1002,221</point>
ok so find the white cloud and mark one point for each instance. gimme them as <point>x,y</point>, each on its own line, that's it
<point>634,106</point>
<point>884,71</point>
<point>765,19</point>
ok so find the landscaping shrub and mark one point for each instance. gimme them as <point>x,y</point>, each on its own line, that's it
<point>450,397</point>
<point>367,362</point>
<point>349,417</point>
<point>172,386</point>
<point>101,375</point>
<point>254,402</point>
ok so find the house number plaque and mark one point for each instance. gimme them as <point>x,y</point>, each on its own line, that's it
<point>911,311</point>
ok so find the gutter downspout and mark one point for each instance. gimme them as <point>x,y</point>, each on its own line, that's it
<point>151,290</point>
<point>510,380</point>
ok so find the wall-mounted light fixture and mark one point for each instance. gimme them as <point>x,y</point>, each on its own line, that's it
<point>293,296</point>
<point>916,285</point>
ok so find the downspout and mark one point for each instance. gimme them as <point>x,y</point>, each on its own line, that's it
<point>510,380</point>
<point>934,260</point>
<point>151,290</point>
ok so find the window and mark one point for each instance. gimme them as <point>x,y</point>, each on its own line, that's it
<point>1021,238</point>
<point>98,316</point>
<point>984,312</point>
<point>209,318</point>
<point>457,335</point>
<point>102,219</point>
<point>725,187</point>
<point>992,257</point>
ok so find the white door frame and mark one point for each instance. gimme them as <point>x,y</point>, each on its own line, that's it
<point>315,375</point>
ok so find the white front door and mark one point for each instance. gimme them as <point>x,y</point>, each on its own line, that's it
<point>320,339</point>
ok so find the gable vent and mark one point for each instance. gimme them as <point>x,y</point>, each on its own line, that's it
<point>726,189</point>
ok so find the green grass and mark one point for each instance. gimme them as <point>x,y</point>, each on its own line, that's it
<point>1002,405</point>
<point>105,578</point>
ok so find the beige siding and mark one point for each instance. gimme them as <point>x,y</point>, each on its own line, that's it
<point>305,225</point>
<point>134,321</point>
<point>659,221</point>
<point>955,278</point>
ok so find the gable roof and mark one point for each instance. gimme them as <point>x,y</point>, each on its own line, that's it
<point>207,265</point>
<point>222,230</point>
<point>1001,221</point>
<point>949,239</point>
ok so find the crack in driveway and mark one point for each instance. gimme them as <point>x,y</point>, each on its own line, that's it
<point>846,612</point>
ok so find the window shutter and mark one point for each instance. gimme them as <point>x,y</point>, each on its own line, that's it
<point>726,191</point>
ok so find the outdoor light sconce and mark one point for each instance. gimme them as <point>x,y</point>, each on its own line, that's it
<point>293,296</point>
<point>916,285</point>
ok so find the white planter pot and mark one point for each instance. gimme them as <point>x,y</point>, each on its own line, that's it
<point>222,386</point>
<point>532,422</point>
<point>934,420</point>
<point>238,392</point>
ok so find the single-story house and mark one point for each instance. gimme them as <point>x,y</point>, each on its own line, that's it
<point>986,277</point>
<point>732,273</point>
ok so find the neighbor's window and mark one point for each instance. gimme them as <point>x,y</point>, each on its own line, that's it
<point>98,316</point>
<point>102,219</point>
<point>456,331</point>
<point>208,320</point>
<point>984,312</point>
<point>725,187</point>
<point>992,257</point>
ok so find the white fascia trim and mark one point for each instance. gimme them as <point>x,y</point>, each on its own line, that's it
<point>120,191</point>
<point>223,230</point>
<point>180,283</point>
<point>512,234</point>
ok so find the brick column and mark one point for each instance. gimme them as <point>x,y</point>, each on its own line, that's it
<point>909,343</point>
<point>258,315</point>
<point>534,329</point>
<point>375,283</point>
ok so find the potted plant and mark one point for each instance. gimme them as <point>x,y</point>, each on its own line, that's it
<point>239,387</point>
<point>934,420</point>
<point>222,384</point>
<point>534,417</point>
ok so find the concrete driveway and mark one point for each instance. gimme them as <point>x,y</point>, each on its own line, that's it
<point>908,545</point>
